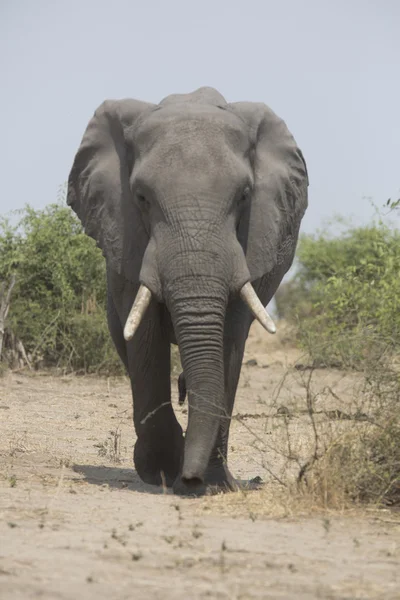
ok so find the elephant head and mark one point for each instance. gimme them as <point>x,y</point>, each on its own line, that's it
<point>194,198</point>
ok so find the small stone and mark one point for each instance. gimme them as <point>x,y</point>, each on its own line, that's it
<point>251,363</point>
<point>257,479</point>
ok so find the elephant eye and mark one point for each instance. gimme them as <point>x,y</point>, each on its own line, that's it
<point>246,192</point>
<point>142,200</point>
<point>245,195</point>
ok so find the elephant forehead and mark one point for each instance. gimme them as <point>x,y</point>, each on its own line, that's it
<point>197,127</point>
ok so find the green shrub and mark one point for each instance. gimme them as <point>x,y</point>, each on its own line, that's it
<point>59,300</point>
<point>91,350</point>
<point>291,300</point>
<point>346,294</point>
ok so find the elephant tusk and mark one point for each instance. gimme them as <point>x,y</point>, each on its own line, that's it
<point>142,301</point>
<point>249,296</point>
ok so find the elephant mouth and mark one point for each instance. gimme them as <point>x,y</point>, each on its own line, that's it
<point>143,299</point>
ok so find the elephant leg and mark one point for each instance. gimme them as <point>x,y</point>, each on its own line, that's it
<point>237,327</point>
<point>159,447</point>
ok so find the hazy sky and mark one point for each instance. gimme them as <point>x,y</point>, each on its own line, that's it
<point>331,69</point>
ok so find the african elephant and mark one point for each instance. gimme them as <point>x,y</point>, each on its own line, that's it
<point>196,204</point>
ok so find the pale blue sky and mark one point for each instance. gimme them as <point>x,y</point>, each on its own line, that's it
<point>331,69</point>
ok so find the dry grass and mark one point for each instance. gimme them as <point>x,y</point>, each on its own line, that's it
<point>335,440</point>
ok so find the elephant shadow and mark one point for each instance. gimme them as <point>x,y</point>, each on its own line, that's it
<point>118,478</point>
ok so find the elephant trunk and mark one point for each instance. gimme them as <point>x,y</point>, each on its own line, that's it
<point>198,321</point>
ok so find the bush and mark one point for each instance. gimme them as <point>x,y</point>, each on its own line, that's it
<point>347,294</point>
<point>91,351</point>
<point>345,299</point>
<point>292,299</point>
<point>59,300</point>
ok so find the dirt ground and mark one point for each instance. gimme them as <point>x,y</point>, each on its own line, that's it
<point>77,523</point>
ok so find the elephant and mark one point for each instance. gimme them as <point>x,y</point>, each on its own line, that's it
<point>196,204</point>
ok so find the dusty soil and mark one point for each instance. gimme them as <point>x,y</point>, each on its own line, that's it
<point>76,521</point>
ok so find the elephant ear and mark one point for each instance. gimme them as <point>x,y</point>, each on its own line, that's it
<point>269,230</point>
<point>99,190</point>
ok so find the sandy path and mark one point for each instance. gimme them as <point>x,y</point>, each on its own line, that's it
<point>76,522</point>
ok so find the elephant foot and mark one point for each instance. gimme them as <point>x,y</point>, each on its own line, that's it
<point>217,479</point>
<point>158,464</point>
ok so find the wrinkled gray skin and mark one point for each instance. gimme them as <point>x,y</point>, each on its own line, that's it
<point>193,197</point>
